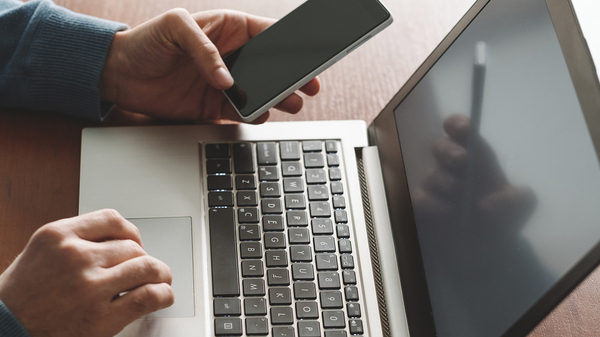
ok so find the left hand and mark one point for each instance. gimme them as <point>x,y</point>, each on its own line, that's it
<point>171,67</point>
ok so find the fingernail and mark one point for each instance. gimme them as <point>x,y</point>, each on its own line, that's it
<point>223,77</point>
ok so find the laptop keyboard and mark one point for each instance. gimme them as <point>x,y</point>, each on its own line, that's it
<point>283,259</point>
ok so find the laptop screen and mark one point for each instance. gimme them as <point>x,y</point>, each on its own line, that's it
<point>501,169</point>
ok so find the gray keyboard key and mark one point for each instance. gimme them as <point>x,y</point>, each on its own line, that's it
<point>328,280</point>
<point>271,206</point>
<point>341,216</point>
<point>331,300</point>
<point>302,272</point>
<point>307,310</point>
<point>335,333</point>
<point>309,329</point>
<point>339,201</point>
<point>324,244</point>
<point>266,153</point>
<point>273,223</point>
<point>245,182</point>
<point>297,218</point>
<point>219,182</point>
<point>335,174</point>
<point>337,187</point>
<point>270,190</point>
<point>345,246</point>
<point>249,250</point>
<point>320,209</point>
<point>254,287</point>
<point>284,331</point>
<point>282,315</point>
<point>291,169</point>
<point>276,258</point>
<point>331,146</point>
<point>333,159</point>
<point>246,199</point>
<point>223,253</point>
<point>278,277</point>
<point>351,293</point>
<point>227,307</point>
<point>217,150</point>
<point>293,185</point>
<point>301,253</point>
<point>295,201</point>
<point>243,158</point>
<point>326,262</point>
<point>316,176</point>
<point>224,199</point>
<point>314,160</point>
<point>274,240</point>
<point>280,296</point>
<point>318,193</point>
<point>289,150</point>
<point>305,291</point>
<point>322,226</point>
<point>356,327</point>
<point>349,277</point>
<point>334,319</point>
<point>298,236</point>
<point>312,146</point>
<point>353,310</point>
<point>228,326</point>
<point>257,326</point>
<point>252,268</point>
<point>255,307</point>
<point>249,232</point>
<point>343,231</point>
<point>268,173</point>
<point>214,166</point>
<point>248,215</point>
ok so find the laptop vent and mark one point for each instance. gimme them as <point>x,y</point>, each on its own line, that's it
<point>385,325</point>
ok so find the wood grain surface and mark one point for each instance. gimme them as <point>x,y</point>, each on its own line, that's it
<point>39,153</point>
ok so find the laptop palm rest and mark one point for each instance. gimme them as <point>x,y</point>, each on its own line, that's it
<point>170,240</point>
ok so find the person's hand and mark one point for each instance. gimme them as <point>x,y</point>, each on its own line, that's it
<point>85,276</point>
<point>171,66</point>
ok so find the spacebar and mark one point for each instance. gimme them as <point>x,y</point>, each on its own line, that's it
<point>223,251</point>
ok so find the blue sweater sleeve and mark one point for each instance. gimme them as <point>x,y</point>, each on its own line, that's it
<point>51,58</point>
<point>9,325</point>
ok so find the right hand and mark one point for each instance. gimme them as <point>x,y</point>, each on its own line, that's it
<point>85,276</point>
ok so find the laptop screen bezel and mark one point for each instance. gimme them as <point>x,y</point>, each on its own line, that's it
<point>383,133</point>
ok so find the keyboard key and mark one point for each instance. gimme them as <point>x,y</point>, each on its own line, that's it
<point>298,236</point>
<point>322,226</point>
<point>293,185</point>
<point>291,169</point>
<point>214,166</point>
<point>328,280</point>
<point>243,158</point>
<point>331,146</point>
<point>297,218</point>
<point>223,253</point>
<point>255,307</point>
<point>353,310</point>
<point>331,300</point>
<point>333,159</point>
<point>276,258</point>
<point>284,331</point>
<point>278,277</point>
<point>318,193</point>
<point>295,201</point>
<point>219,182</point>
<point>245,182</point>
<point>267,153</point>
<point>305,291</point>
<point>273,223</point>
<point>254,287</point>
<point>217,150</point>
<point>351,293</point>
<point>268,173</point>
<point>302,272</point>
<point>335,333</point>
<point>220,199</point>
<point>320,209</point>
<point>309,329</point>
<point>316,176</point>
<point>248,215</point>
<point>313,160</point>
<point>347,261</point>
<point>337,187</point>
<point>312,146</point>
<point>247,199</point>
<point>252,268</point>
<point>227,307</point>
<point>249,250</point>
<point>356,327</point>
<point>280,296</point>
<point>257,326</point>
<point>289,150</point>
<point>274,240</point>
<point>249,232</point>
<point>271,206</point>
<point>345,246</point>
<point>349,277</point>
<point>335,174</point>
<point>326,262</point>
<point>282,315</point>
<point>307,310</point>
<point>228,326</point>
<point>270,190</point>
<point>334,319</point>
<point>343,231</point>
<point>340,216</point>
<point>301,253</point>
<point>339,201</point>
<point>324,244</point>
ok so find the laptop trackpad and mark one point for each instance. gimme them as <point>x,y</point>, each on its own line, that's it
<point>170,240</point>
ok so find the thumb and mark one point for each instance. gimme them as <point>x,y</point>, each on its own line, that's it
<point>182,30</point>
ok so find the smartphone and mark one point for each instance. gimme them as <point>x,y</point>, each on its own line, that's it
<point>288,54</point>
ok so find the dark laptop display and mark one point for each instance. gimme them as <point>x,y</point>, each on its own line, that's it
<point>501,170</point>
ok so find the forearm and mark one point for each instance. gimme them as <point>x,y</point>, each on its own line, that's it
<point>51,59</point>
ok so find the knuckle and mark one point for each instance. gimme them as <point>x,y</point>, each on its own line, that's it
<point>50,233</point>
<point>154,269</point>
<point>134,248</point>
<point>176,15</point>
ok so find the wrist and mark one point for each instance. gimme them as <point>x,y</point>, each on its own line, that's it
<point>110,77</point>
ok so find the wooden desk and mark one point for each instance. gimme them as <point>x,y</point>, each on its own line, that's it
<point>39,153</point>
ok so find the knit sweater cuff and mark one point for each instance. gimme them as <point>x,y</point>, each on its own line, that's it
<point>66,63</point>
<point>9,325</point>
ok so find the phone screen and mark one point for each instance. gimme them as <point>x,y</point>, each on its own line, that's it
<point>295,46</point>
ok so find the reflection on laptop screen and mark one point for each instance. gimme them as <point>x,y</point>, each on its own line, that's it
<point>492,199</point>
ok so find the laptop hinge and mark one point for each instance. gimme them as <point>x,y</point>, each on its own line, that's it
<point>381,244</point>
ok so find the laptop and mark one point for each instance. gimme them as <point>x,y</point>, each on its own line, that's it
<point>469,207</point>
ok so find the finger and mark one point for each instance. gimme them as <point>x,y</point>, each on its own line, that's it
<point>136,272</point>
<point>291,104</point>
<point>106,224</point>
<point>457,127</point>
<point>512,203</point>
<point>441,182</point>
<point>113,252</point>
<point>182,30</point>
<point>312,87</point>
<point>141,301</point>
<point>449,154</point>
<point>429,204</point>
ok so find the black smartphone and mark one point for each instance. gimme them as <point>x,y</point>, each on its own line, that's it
<point>295,49</point>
